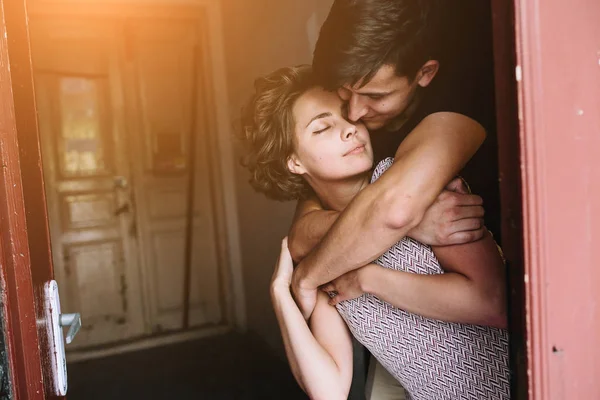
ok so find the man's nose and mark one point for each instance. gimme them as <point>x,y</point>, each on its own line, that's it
<point>357,108</point>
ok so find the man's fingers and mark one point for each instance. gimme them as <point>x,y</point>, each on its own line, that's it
<point>457,185</point>
<point>466,224</point>
<point>466,236</point>
<point>453,199</point>
<point>329,287</point>
<point>337,299</point>
<point>458,213</point>
<point>472,212</point>
<point>468,199</point>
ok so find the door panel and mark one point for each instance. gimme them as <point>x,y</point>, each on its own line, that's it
<point>162,86</point>
<point>80,112</point>
<point>89,264</point>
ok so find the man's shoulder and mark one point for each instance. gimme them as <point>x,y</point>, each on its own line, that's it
<point>460,97</point>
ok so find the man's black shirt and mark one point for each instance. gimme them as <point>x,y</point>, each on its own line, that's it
<point>465,85</point>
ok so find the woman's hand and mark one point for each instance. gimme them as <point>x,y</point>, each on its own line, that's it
<point>319,352</point>
<point>348,286</point>
<point>281,282</point>
<point>282,276</point>
<point>306,299</point>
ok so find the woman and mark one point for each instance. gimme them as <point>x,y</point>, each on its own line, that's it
<point>437,330</point>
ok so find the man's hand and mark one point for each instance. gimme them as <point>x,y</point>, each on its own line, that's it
<point>348,286</point>
<point>456,217</point>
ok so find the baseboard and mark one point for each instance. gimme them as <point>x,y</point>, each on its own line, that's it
<point>145,343</point>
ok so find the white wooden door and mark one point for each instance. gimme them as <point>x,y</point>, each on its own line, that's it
<point>161,66</point>
<point>82,128</point>
<point>116,118</point>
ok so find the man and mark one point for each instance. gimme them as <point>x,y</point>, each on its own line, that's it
<point>394,62</point>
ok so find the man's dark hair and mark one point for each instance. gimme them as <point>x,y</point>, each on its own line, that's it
<point>360,36</point>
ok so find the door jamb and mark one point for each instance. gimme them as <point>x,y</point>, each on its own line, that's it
<point>23,217</point>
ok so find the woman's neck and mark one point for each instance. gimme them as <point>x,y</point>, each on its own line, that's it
<point>337,195</point>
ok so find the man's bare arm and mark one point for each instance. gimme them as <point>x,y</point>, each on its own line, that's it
<point>456,217</point>
<point>384,212</point>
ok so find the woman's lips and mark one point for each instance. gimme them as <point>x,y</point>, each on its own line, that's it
<point>356,150</point>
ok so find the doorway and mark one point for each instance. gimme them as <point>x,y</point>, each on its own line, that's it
<point>119,97</point>
<point>115,184</point>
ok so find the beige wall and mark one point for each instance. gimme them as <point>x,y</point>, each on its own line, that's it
<point>260,36</point>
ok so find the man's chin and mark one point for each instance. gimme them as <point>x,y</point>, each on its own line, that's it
<point>373,125</point>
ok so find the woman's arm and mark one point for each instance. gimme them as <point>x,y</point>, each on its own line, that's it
<point>311,223</point>
<point>320,356</point>
<point>472,291</point>
<point>384,212</point>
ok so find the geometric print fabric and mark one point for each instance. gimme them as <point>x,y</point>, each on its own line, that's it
<point>433,360</point>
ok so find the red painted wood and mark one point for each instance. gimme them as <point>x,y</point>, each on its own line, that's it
<point>26,258</point>
<point>29,141</point>
<point>510,186</point>
<point>30,163</point>
<point>559,95</point>
<point>21,331</point>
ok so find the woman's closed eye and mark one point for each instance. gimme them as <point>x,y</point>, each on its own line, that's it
<point>321,130</point>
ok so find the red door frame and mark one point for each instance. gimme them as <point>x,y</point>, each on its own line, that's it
<point>558,58</point>
<point>25,241</point>
<point>509,150</point>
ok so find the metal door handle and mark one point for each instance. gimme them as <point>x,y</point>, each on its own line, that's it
<point>73,321</point>
<point>54,321</point>
<point>120,182</point>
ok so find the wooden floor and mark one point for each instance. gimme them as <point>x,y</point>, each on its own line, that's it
<point>232,366</point>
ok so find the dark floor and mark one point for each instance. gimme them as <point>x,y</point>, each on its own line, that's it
<point>232,366</point>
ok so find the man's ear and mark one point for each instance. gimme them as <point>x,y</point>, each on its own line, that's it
<point>294,165</point>
<point>428,72</point>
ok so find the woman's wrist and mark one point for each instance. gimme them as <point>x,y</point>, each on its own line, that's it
<point>280,288</point>
<point>367,277</point>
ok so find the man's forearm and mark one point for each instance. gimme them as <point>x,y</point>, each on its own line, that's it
<point>308,230</point>
<point>355,240</point>
<point>448,297</point>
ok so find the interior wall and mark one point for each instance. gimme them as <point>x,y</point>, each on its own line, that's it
<point>259,37</point>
